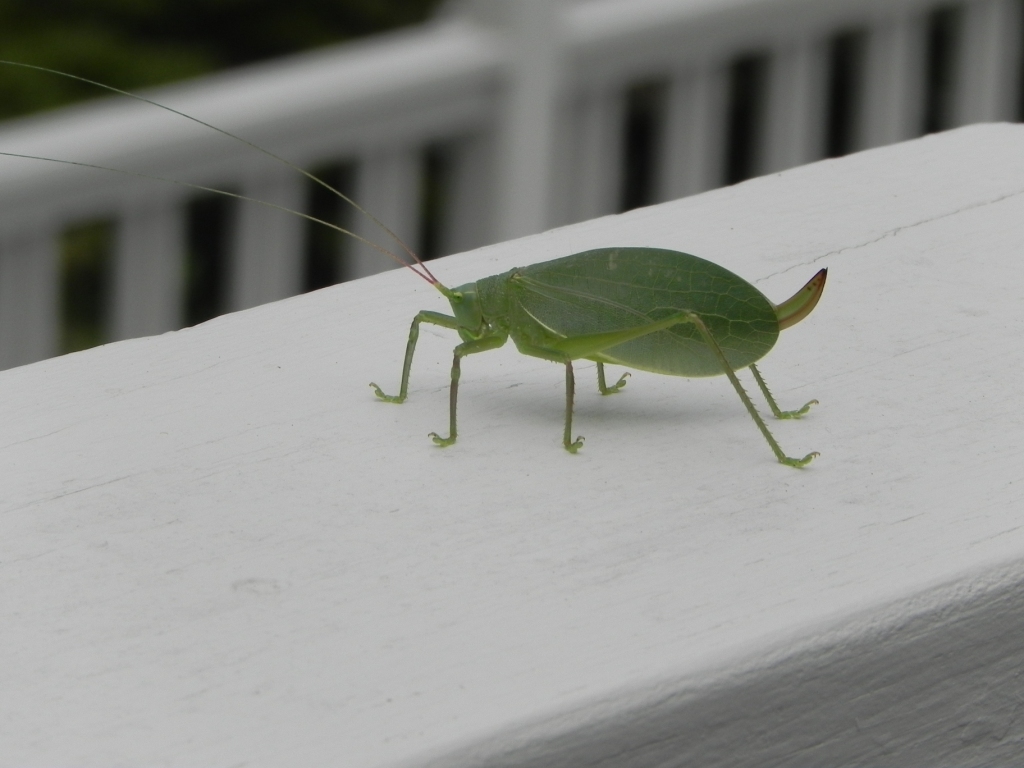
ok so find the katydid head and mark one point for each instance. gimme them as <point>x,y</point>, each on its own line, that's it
<point>465,301</point>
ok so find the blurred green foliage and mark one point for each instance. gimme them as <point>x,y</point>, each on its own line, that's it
<point>132,44</point>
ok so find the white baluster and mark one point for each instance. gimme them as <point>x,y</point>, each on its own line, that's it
<point>387,186</point>
<point>528,114</point>
<point>894,81</point>
<point>596,144</point>
<point>797,82</point>
<point>149,269</point>
<point>469,213</point>
<point>29,294</point>
<point>988,80</point>
<point>695,132</point>
<point>267,248</point>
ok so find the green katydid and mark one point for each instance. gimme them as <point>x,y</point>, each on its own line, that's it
<point>647,308</point>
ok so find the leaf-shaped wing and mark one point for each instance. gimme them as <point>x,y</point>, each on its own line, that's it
<point>617,288</point>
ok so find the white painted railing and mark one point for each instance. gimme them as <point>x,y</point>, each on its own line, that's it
<point>219,548</point>
<point>529,105</point>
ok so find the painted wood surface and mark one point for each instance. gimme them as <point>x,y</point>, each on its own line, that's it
<point>219,549</point>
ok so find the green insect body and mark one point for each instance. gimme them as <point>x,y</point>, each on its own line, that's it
<point>646,308</point>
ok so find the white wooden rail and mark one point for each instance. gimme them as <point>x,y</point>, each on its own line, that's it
<point>530,100</point>
<point>219,549</point>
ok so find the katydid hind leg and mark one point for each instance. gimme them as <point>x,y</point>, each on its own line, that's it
<point>779,414</point>
<point>603,387</point>
<point>466,348</point>
<point>434,318</point>
<point>713,345</point>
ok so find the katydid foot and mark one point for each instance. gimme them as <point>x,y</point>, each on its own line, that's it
<point>442,442</point>
<point>776,411</point>
<point>796,414</point>
<point>575,446</point>
<point>603,387</point>
<point>616,386</point>
<point>387,398</point>
<point>798,463</point>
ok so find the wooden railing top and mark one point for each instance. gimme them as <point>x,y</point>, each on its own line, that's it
<point>220,549</point>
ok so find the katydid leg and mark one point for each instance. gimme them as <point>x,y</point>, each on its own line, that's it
<point>557,356</point>
<point>771,400</point>
<point>570,394</point>
<point>564,350</point>
<point>467,348</point>
<point>603,386</point>
<point>434,318</point>
<point>710,341</point>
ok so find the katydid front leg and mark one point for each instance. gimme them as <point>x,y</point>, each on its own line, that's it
<point>434,318</point>
<point>467,348</point>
